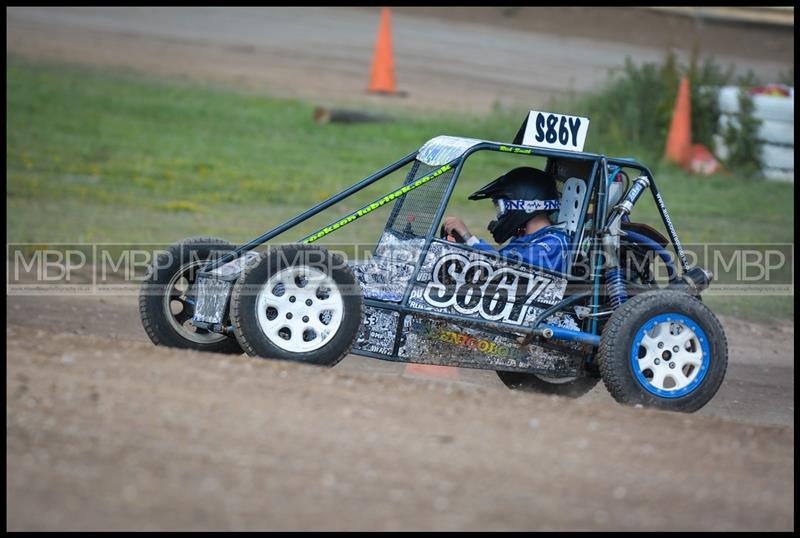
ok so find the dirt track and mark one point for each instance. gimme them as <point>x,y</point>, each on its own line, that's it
<point>108,432</point>
<point>104,431</point>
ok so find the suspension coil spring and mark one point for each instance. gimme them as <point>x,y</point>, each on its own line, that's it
<point>615,287</point>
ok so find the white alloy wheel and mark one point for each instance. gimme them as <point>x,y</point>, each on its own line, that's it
<point>670,356</point>
<point>663,348</point>
<point>299,309</point>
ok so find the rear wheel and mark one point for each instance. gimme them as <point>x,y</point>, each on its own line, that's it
<point>570,387</point>
<point>664,349</point>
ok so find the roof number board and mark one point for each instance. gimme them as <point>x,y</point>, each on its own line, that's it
<point>555,131</point>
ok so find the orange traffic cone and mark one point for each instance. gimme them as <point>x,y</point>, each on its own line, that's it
<point>679,139</point>
<point>381,79</point>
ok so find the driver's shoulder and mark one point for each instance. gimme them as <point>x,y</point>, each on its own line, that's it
<point>555,230</point>
<point>550,233</point>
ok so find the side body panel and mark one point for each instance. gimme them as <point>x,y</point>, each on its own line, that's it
<point>477,287</point>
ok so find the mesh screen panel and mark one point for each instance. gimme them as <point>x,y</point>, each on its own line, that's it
<point>413,214</point>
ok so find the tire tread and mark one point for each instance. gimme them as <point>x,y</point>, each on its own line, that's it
<point>237,313</point>
<point>152,326</point>
<point>614,377</point>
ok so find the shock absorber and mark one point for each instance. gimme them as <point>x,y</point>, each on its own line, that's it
<point>616,290</point>
<point>614,275</point>
<point>615,286</point>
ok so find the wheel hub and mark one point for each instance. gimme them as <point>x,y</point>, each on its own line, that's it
<point>670,356</point>
<point>299,309</point>
<point>178,304</point>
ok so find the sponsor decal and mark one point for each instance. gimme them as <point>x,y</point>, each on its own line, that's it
<point>466,341</point>
<point>511,149</point>
<point>673,234</point>
<point>376,204</point>
<point>528,206</point>
<point>378,329</point>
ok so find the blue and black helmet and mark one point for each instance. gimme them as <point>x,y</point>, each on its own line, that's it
<point>519,195</point>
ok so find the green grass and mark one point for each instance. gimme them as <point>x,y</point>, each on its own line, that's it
<point>98,156</point>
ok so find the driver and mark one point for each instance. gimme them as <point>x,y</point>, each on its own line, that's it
<point>526,200</point>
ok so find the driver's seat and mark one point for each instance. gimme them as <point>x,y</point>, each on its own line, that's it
<point>573,198</point>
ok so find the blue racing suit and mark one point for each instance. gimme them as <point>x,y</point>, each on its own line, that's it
<point>547,248</point>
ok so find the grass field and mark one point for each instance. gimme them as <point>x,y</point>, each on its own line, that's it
<point>97,156</point>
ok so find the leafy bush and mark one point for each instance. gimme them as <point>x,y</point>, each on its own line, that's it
<point>744,149</point>
<point>704,80</point>
<point>632,114</point>
<point>633,110</point>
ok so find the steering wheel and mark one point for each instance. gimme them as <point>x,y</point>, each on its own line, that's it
<point>454,234</point>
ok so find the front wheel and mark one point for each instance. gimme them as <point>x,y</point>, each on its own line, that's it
<point>665,349</point>
<point>299,303</point>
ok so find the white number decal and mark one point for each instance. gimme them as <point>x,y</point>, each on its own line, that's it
<point>475,287</point>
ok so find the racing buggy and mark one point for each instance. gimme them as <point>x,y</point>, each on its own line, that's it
<point>421,298</point>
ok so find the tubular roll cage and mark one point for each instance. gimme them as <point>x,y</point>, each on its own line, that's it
<point>597,187</point>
